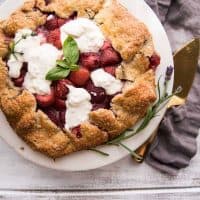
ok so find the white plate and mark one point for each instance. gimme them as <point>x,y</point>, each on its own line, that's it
<point>86,160</point>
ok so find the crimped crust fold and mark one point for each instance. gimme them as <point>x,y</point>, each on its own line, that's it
<point>128,36</point>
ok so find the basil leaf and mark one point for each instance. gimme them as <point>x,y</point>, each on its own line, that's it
<point>57,73</point>
<point>62,63</point>
<point>74,67</point>
<point>71,51</point>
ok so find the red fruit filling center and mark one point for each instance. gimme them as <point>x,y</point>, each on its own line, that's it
<point>54,104</point>
<point>154,61</point>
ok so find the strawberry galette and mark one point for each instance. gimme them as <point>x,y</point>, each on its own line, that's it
<point>74,74</point>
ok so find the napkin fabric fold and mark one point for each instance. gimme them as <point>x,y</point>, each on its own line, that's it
<point>160,7</point>
<point>175,143</point>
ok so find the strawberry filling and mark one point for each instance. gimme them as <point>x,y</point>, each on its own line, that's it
<point>18,82</point>
<point>77,131</point>
<point>60,104</point>
<point>54,116</point>
<point>108,56</point>
<point>54,104</point>
<point>61,89</point>
<point>110,70</point>
<point>106,45</point>
<point>46,100</point>
<point>90,60</point>
<point>98,94</point>
<point>62,117</point>
<point>80,77</point>
<point>154,61</point>
<point>53,37</point>
<point>55,23</point>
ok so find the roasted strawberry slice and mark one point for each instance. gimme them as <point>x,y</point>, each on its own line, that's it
<point>90,60</point>
<point>77,131</point>
<point>62,118</point>
<point>45,100</point>
<point>19,81</point>
<point>98,94</point>
<point>106,45</point>
<point>105,104</point>
<point>51,24</point>
<point>54,23</point>
<point>61,21</point>
<point>61,89</point>
<point>109,57</point>
<point>80,77</point>
<point>54,38</point>
<point>58,44</point>
<point>60,104</point>
<point>107,101</point>
<point>154,61</point>
<point>53,115</point>
<point>110,70</point>
<point>89,85</point>
<point>98,106</point>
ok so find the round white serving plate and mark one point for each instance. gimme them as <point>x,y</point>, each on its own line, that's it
<point>86,160</point>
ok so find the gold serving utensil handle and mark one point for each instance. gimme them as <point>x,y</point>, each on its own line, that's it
<point>185,65</point>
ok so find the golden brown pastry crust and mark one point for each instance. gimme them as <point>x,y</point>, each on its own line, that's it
<point>128,36</point>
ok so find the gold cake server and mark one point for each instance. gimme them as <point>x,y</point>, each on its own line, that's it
<point>185,66</point>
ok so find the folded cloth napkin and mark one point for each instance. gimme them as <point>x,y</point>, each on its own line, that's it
<point>175,143</point>
<point>160,7</point>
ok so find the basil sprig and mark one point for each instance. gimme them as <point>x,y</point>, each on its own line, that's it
<point>68,64</point>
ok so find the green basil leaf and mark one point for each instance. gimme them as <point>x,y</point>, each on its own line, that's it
<point>57,73</point>
<point>74,67</point>
<point>71,51</point>
<point>62,63</point>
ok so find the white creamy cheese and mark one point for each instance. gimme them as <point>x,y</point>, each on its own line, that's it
<point>50,17</point>
<point>105,80</point>
<point>86,33</point>
<point>78,107</point>
<point>15,64</point>
<point>40,58</point>
<point>21,46</point>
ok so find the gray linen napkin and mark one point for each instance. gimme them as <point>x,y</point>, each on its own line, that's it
<point>160,7</point>
<point>175,144</point>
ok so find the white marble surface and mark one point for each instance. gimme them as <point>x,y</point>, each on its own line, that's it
<point>20,179</point>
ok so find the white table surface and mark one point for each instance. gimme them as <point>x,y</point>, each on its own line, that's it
<point>22,180</point>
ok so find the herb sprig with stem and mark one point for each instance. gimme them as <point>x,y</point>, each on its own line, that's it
<point>68,64</point>
<point>98,151</point>
<point>151,113</point>
<point>12,45</point>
